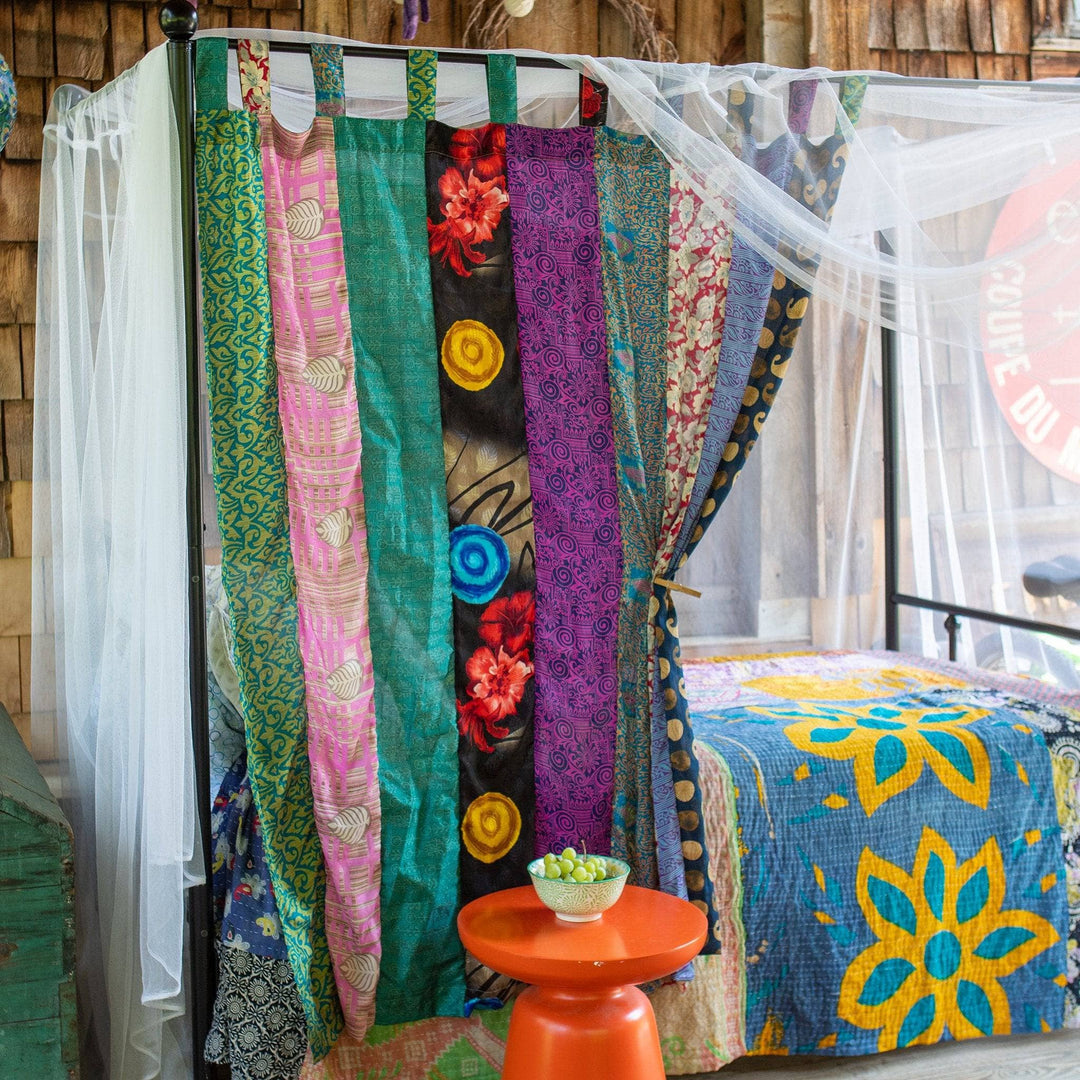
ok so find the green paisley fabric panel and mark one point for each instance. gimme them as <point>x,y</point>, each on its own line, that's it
<point>502,88</point>
<point>257,570</point>
<point>383,209</point>
<point>852,93</point>
<point>633,185</point>
<point>814,182</point>
<point>420,78</point>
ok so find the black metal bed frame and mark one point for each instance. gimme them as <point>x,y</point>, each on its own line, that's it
<point>894,598</point>
<point>179,22</point>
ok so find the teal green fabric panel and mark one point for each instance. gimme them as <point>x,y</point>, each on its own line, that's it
<point>257,568</point>
<point>383,216</point>
<point>502,88</point>
<point>634,185</point>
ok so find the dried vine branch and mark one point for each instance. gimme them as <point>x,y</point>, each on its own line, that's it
<point>489,20</point>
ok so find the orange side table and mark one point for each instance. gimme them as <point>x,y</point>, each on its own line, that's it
<point>583,1015</point>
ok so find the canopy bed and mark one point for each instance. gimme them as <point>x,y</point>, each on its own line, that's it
<point>455,358</point>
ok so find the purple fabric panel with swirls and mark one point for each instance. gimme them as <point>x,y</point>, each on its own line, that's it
<point>801,96</point>
<point>557,279</point>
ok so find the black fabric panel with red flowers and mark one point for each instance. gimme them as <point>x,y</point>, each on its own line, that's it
<point>592,102</point>
<point>492,550</point>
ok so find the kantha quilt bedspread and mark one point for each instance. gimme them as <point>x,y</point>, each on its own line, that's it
<point>905,862</point>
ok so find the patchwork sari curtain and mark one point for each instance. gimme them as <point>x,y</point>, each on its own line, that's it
<point>327,526</point>
<point>250,480</point>
<point>383,211</point>
<point>590,352</point>
<point>813,179</point>
<point>491,546</point>
<point>560,313</point>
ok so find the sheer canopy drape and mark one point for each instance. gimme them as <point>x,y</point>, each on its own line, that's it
<point>795,556</point>
<point>110,674</point>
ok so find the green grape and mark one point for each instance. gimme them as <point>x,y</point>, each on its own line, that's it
<point>580,873</point>
<point>599,873</point>
<point>552,871</point>
<point>590,865</point>
<point>549,858</point>
<point>567,867</point>
<point>568,853</point>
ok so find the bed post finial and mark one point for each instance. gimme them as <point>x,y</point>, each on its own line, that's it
<point>178,20</point>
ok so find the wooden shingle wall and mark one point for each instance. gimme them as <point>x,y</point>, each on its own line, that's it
<point>984,39</point>
<point>89,42</point>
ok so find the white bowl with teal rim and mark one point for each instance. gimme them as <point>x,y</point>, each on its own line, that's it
<point>578,901</point>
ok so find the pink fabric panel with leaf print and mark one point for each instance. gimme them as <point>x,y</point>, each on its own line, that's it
<point>321,429</point>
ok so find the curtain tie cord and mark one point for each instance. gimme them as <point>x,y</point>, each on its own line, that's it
<point>674,585</point>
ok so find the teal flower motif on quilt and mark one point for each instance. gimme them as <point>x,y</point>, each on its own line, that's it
<point>943,945</point>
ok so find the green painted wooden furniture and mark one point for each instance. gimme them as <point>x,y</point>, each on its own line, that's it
<point>38,1036</point>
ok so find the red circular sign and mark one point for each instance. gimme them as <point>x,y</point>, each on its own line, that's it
<point>1031,317</point>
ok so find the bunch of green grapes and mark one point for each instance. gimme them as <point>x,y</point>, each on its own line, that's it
<point>570,866</point>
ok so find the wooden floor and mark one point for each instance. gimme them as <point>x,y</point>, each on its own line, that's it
<point>1038,1057</point>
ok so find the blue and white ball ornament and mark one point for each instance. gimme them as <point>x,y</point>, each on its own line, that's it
<point>479,563</point>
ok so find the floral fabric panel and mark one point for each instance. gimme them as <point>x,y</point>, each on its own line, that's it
<point>257,568</point>
<point>258,1024</point>
<point>8,102</point>
<point>901,857</point>
<point>749,283</point>
<point>383,206</point>
<point>560,305</point>
<point>222,686</point>
<point>813,176</point>
<point>244,903</point>
<point>328,534</point>
<point>698,263</point>
<point>592,102</point>
<point>328,71</point>
<point>226,733</point>
<point>491,547</point>
<point>633,186</point>
<point>1064,744</point>
<point>253,62</point>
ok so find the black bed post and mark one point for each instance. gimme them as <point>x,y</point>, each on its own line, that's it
<point>889,425</point>
<point>179,21</point>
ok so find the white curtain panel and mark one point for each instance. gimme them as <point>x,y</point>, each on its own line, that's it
<point>110,661</point>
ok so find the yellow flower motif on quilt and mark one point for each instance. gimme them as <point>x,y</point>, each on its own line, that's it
<point>858,685</point>
<point>472,354</point>
<point>943,944</point>
<point>890,742</point>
